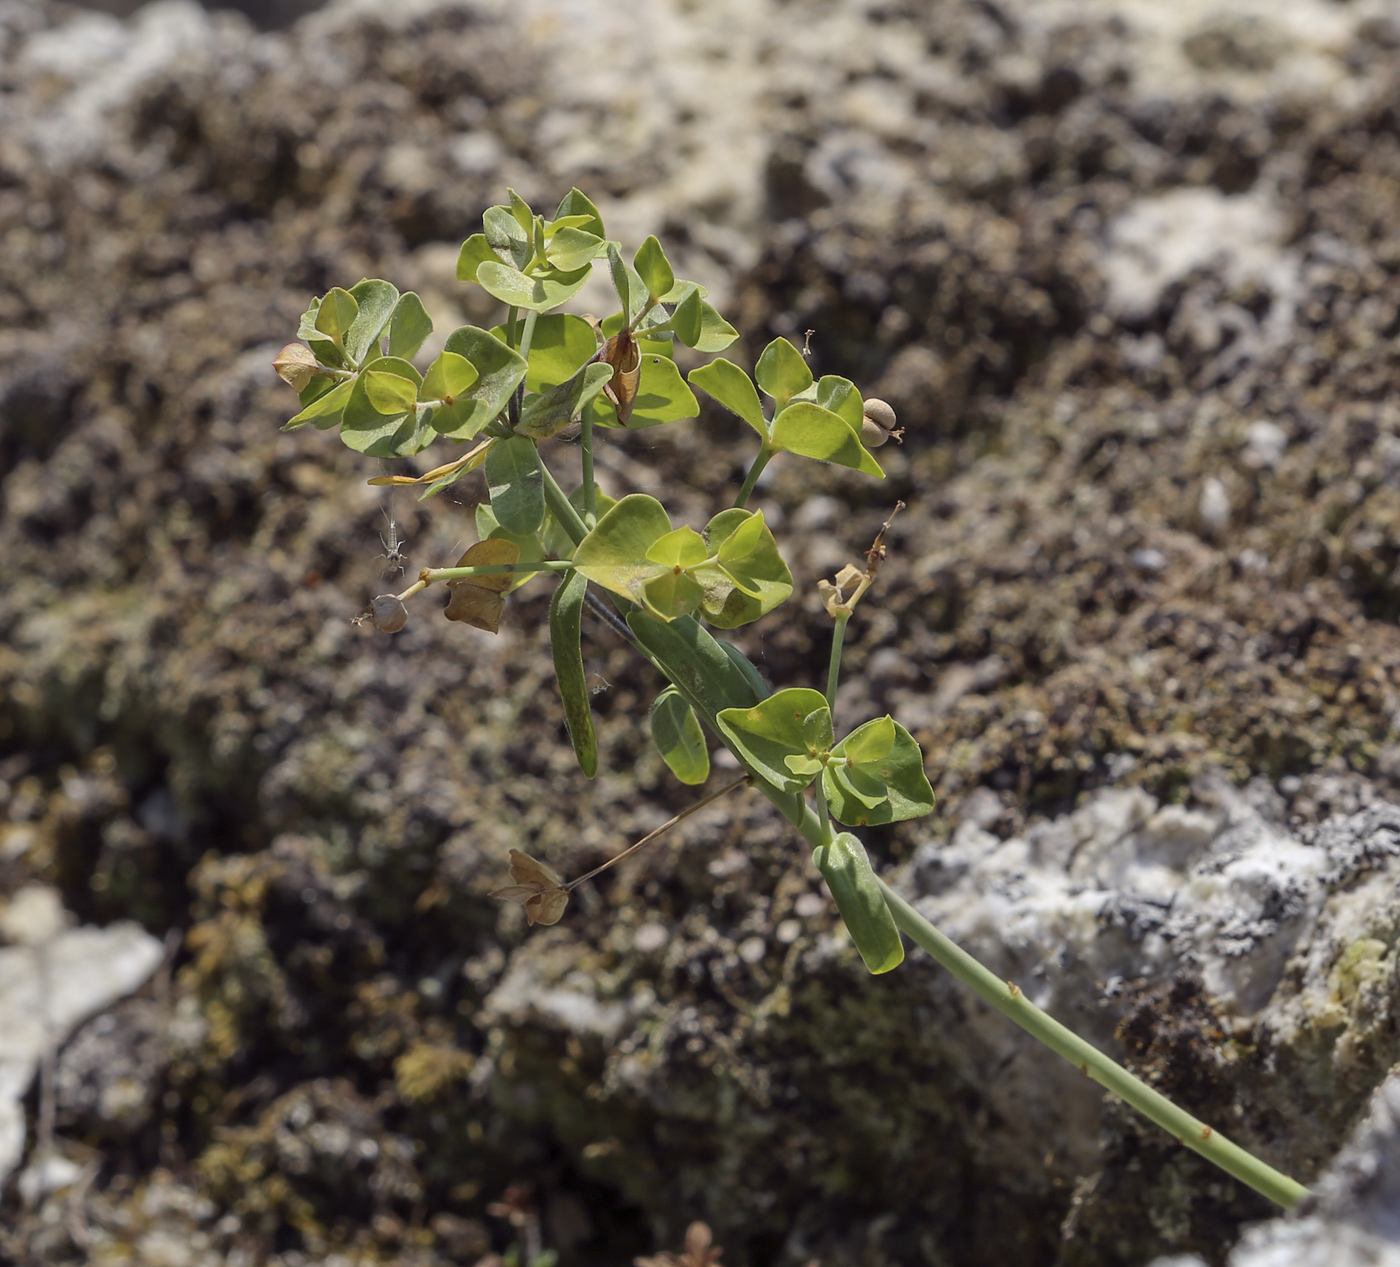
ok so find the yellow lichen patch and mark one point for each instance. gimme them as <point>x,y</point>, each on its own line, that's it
<point>428,1069</point>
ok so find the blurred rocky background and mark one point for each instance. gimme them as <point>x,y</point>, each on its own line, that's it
<point>1129,272</point>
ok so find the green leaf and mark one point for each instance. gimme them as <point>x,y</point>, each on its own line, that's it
<point>662,397</point>
<point>516,484</point>
<point>631,289</point>
<point>687,320</point>
<point>654,268</point>
<point>782,372</point>
<point>565,622</point>
<point>751,564</point>
<point>376,300</point>
<point>476,251</point>
<point>408,327</point>
<point>683,548</point>
<point>846,868</point>
<point>733,389</point>
<point>561,345</point>
<point>499,371</point>
<point>509,241</point>
<point>578,204</point>
<point>536,292</point>
<point>325,406</point>
<point>841,397</point>
<point>766,734</point>
<point>899,774</point>
<point>521,210</point>
<point>558,542</point>
<point>675,730</point>
<point>546,414</point>
<point>327,350</point>
<point>813,432</point>
<point>448,377</point>
<point>573,248</point>
<point>369,429</point>
<point>531,549</point>
<point>614,554</point>
<point>337,312</point>
<point>747,668</point>
<point>716,333</point>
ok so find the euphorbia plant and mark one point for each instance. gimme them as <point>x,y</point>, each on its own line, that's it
<point>507,391</point>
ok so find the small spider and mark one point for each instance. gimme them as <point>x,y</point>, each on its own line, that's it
<point>393,546</point>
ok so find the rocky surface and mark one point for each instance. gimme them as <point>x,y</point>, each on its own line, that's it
<point>1128,274</point>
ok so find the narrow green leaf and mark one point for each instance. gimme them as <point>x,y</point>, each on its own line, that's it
<point>390,393</point>
<point>767,733</point>
<point>376,300</point>
<point>476,251</point>
<point>448,377</point>
<point>614,554</point>
<point>841,397</point>
<point>576,203</point>
<point>900,772</point>
<point>733,389</point>
<point>536,292</point>
<point>408,327</point>
<point>716,333</point>
<point>654,268</point>
<point>813,432</point>
<point>631,289</point>
<point>565,624</point>
<point>747,667</point>
<point>509,241</point>
<point>846,868</point>
<point>499,371</point>
<point>337,311</point>
<point>687,320</point>
<point>551,412</point>
<point>529,544</point>
<point>675,730</point>
<point>782,372</point>
<point>516,484</point>
<point>324,409</point>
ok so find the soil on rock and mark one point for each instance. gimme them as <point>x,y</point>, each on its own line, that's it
<point>1132,288</point>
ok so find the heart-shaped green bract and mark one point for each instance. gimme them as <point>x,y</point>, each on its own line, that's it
<point>448,377</point>
<point>841,397</point>
<point>337,310</point>
<point>813,432</point>
<point>716,333</point>
<point>577,204</point>
<point>558,350</point>
<point>734,389</point>
<point>381,416</point>
<point>569,248</point>
<point>499,371</point>
<point>687,320</point>
<point>846,868</point>
<point>662,396</point>
<point>376,300</point>
<point>675,730</point>
<point>408,327</point>
<point>614,554</point>
<point>509,240</point>
<point>766,735</point>
<point>747,557</point>
<point>782,372</point>
<point>390,393</point>
<point>535,292</point>
<point>876,775</point>
<point>516,484</point>
<point>672,594</point>
<point>551,412</point>
<point>475,252</point>
<point>327,349</point>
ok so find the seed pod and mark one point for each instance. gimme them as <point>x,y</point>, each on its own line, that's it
<point>388,614</point>
<point>295,365</point>
<point>877,425</point>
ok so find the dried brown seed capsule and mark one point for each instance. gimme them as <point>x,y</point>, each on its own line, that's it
<point>295,365</point>
<point>389,615</point>
<point>878,424</point>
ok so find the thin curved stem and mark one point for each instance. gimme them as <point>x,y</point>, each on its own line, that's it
<point>764,455</point>
<point>833,672</point>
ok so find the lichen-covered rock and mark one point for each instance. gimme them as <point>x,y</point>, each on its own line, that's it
<point>1126,276</point>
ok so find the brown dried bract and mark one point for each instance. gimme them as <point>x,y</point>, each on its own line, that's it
<point>479,600</point>
<point>624,354</point>
<point>536,888</point>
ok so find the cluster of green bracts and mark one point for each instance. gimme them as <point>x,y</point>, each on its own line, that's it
<point>508,390</point>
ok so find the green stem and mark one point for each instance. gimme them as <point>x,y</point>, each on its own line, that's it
<point>1009,1000</point>
<point>517,399</point>
<point>563,509</point>
<point>512,314</point>
<point>590,494</point>
<point>764,454</point>
<point>498,569</point>
<point>833,672</point>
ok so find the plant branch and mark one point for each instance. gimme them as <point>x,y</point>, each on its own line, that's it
<point>563,509</point>
<point>833,672</point>
<point>1008,999</point>
<point>764,455</point>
